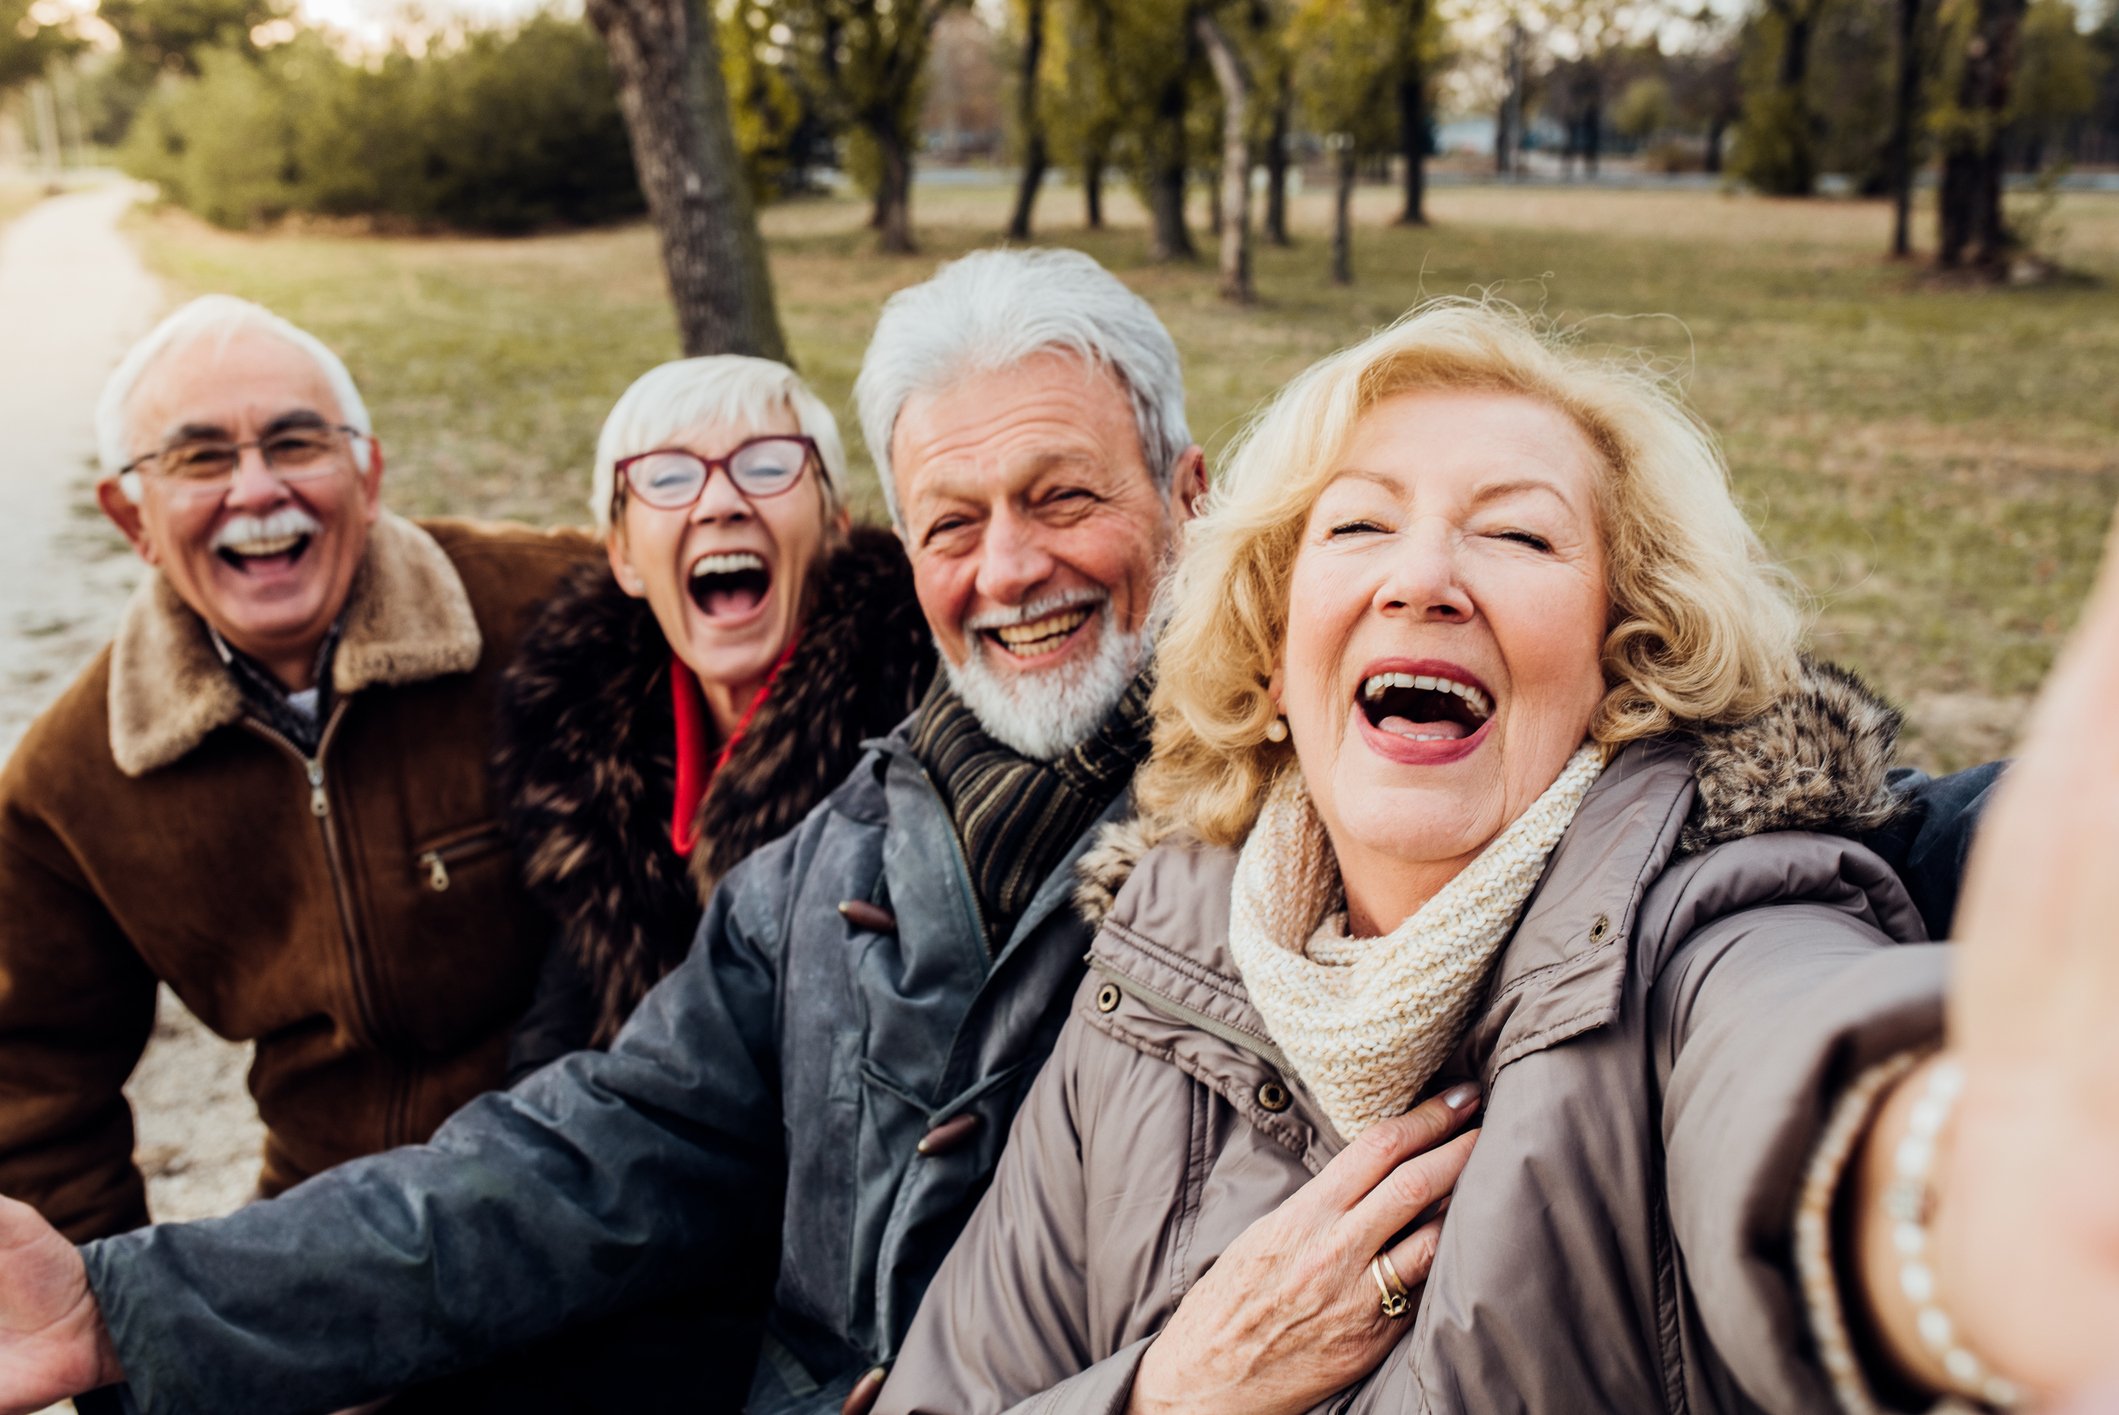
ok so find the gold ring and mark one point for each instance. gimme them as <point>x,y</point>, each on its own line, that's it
<point>1396,1301</point>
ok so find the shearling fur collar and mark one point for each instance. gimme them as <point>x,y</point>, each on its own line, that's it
<point>407,619</point>
<point>1815,760</point>
<point>587,756</point>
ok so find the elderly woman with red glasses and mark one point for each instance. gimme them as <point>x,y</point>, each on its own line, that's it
<point>669,713</point>
<point>674,711</point>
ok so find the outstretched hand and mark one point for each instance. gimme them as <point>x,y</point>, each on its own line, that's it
<point>2025,1225</point>
<point>53,1343</point>
<point>1290,1312</point>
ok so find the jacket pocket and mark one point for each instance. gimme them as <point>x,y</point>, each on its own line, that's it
<point>434,859</point>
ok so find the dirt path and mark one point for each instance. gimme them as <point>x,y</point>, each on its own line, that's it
<point>73,295</point>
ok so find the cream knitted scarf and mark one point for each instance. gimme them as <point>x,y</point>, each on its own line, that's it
<point>1365,1021</point>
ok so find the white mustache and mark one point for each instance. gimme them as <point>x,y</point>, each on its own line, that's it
<point>238,531</point>
<point>1036,609</point>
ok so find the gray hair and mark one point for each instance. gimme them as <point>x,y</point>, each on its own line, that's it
<point>673,399</point>
<point>218,317</point>
<point>994,309</point>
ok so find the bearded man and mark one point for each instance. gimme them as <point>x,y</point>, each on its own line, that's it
<point>270,792</point>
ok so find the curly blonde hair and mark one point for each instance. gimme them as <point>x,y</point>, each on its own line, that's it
<point>1703,626</point>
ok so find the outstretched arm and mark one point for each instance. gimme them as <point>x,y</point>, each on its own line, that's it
<point>2022,1249</point>
<point>52,1339</point>
<point>601,1182</point>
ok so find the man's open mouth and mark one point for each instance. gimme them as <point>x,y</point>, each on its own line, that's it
<point>1424,708</point>
<point>260,551</point>
<point>730,584</point>
<point>1040,637</point>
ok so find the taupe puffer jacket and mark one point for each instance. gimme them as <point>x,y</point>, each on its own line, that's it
<point>1690,986</point>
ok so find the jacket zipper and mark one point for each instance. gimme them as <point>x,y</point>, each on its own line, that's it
<point>436,861</point>
<point>320,807</point>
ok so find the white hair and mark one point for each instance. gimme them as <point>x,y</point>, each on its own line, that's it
<point>672,400</point>
<point>994,309</point>
<point>220,318</point>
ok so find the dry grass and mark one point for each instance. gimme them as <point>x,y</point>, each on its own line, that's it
<point>1937,467</point>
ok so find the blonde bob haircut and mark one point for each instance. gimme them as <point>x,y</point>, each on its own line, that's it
<point>1702,626</point>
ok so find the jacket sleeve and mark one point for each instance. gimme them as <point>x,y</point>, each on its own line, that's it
<point>1761,1019</point>
<point>76,1008</point>
<point>1006,1322</point>
<point>603,1181</point>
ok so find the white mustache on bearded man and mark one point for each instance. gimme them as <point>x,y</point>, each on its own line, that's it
<point>239,531</point>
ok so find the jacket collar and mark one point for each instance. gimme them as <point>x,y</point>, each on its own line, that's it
<point>408,618</point>
<point>1817,759</point>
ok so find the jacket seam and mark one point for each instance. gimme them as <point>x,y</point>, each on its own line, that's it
<point>1261,1047</point>
<point>1255,1116</point>
<point>1177,962</point>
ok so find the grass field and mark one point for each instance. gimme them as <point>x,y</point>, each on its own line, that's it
<point>1936,466</point>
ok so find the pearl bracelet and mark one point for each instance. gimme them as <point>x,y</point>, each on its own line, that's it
<point>1908,1201</point>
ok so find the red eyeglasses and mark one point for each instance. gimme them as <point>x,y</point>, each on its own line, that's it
<point>672,478</point>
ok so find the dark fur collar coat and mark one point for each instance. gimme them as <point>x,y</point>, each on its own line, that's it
<point>587,767</point>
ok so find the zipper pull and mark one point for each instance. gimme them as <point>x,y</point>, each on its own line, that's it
<point>437,871</point>
<point>318,805</point>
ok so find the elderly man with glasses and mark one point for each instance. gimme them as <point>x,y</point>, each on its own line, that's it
<point>270,791</point>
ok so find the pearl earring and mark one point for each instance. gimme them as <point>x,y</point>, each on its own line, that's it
<point>1278,731</point>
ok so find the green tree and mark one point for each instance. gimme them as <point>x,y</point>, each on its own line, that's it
<point>1776,148</point>
<point>168,36</point>
<point>2057,77</point>
<point>866,60</point>
<point>1344,82</point>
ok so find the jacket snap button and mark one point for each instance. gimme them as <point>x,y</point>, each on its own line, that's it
<point>948,1135</point>
<point>864,915</point>
<point>1107,998</point>
<point>1274,1096</point>
<point>1600,928</point>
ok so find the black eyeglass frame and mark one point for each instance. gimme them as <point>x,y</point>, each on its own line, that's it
<point>622,474</point>
<point>236,447</point>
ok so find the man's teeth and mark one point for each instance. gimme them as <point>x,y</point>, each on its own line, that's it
<point>727,564</point>
<point>1042,636</point>
<point>1377,686</point>
<point>264,548</point>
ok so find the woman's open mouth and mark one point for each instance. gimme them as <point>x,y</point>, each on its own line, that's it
<point>730,585</point>
<point>1424,708</point>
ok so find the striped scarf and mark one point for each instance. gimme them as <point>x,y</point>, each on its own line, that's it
<point>1016,816</point>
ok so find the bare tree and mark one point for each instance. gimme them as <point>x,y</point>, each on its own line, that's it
<point>1030,121</point>
<point>1904,114</point>
<point>667,62</point>
<point>1234,203</point>
<point>1970,209</point>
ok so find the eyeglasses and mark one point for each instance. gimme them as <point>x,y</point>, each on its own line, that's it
<point>293,454</point>
<point>671,479</point>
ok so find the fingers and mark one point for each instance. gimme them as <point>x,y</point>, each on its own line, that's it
<point>1406,1192</point>
<point>1413,1256</point>
<point>1380,1149</point>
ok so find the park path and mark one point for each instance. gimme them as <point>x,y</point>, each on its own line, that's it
<point>73,295</point>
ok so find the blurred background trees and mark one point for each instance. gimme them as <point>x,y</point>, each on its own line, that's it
<point>244,113</point>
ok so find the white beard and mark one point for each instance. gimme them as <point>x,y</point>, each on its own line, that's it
<point>1043,713</point>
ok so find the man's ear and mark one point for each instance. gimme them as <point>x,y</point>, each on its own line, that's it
<point>622,565</point>
<point>372,479</point>
<point>125,515</point>
<point>1188,484</point>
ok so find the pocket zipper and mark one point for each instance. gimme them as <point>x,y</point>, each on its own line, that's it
<point>436,861</point>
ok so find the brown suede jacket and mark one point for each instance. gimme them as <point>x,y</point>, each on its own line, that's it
<point>358,915</point>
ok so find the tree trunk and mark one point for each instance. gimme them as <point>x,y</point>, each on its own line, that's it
<point>1030,122</point>
<point>1168,239</point>
<point>1343,216</point>
<point>1903,116</point>
<point>1970,209</point>
<point>1593,135</point>
<point>892,218</point>
<point>667,63</point>
<point>1508,127</point>
<point>1716,126</point>
<point>1276,220</point>
<point>1093,191</point>
<point>1234,204</point>
<point>1412,140</point>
